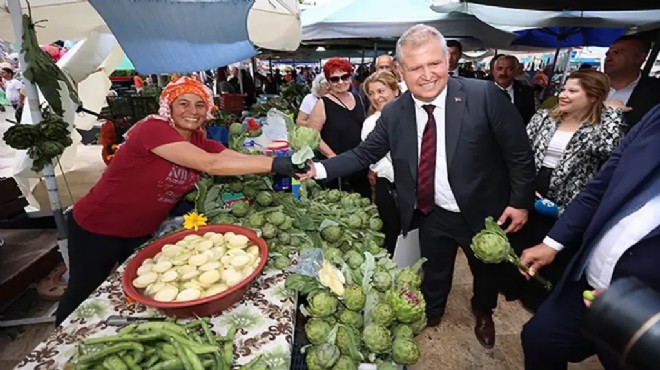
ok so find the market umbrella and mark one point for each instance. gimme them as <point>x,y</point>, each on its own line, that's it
<point>377,19</point>
<point>564,37</point>
<point>272,24</point>
<point>526,16</point>
<point>185,35</point>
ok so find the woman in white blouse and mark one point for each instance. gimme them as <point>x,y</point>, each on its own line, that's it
<point>382,88</point>
<point>319,89</point>
<point>570,143</point>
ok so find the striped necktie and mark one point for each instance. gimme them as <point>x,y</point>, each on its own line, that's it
<point>426,172</point>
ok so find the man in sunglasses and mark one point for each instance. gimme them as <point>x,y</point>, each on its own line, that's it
<point>460,154</point>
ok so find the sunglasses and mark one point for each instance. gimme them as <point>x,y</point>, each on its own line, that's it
<point>335,79</point>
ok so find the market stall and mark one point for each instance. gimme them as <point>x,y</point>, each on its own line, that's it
<point>265,318</point>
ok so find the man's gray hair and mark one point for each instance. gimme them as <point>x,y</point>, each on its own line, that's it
<point>418,35</point>
<point>316,84</point>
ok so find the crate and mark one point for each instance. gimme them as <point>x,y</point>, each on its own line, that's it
<point>233,103</point>
<point>12,202</point>
<point>132,108</point>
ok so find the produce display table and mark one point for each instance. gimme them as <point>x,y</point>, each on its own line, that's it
<point>265,318</point>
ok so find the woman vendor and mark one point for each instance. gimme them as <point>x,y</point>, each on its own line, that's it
<point>160,161</point>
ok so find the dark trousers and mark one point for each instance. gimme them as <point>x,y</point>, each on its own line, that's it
<point>553,337</point>
<point>440,234</point>
<point>18,112</point>
<point>91,259</point>
<point>388,211</point>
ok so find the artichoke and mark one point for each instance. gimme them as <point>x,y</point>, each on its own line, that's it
<point>405,351</point>
<point>240,209</point>
<point>256,220</point>
<point>347,340</point>
<point>276,218</point>
<point>51,149</point>
<point>317,330</point>
<point>354,259</point>
<point>331,233</point>
<point>235,129</point>
<point>284,238</point>
<point>354,297</point>
<point>491,245</point>
<point>382,314</point>
<point>287,224</point>
<point>235,186</point>
<point>408,305</point>
<point>382,281</point>
<point>354,221</point>
<point>224,218</point>
<point>377,338</point>
<point>322,303</point>
<point>281,262</point>
<point>21,136</point>
<point>327,355</point>
<point>269,231</point>
<point>345,363</point>
<point>375,224</point>
<point>332,253</point>
<point>418,325</point>
<point>351,318</point>
<point>408,278</point>
<point>403,331</point>
<point>333,196</point>
<point>264,198</point>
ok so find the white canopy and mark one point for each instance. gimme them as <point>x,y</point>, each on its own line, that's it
<point>510,19</point>
<point>342,19</point>
<point>272,24</point>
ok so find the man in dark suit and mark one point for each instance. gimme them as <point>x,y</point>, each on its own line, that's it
<point>504,72</point>
<point>460,153</point>
<point>623,63</point>
<point>615,224</point>
<point>455,49</point>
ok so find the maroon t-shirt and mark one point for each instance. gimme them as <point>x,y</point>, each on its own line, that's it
<point>138,189</point>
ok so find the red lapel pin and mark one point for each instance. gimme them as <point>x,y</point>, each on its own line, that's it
<point>457,100</point>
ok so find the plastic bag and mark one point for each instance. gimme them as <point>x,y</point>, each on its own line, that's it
<point>309,262</point>
<point>276,125</point>
<point>168,226</point>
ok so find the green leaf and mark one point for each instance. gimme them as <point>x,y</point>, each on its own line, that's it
<point>301,157</point>
<point>301,283</point>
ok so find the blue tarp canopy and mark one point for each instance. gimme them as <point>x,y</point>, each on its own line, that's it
<point>163,36</point>
<point>564,37</point>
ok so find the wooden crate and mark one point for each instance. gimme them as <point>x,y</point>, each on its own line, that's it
<point>12,201</point>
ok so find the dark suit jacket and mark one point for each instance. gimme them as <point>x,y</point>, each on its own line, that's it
<point>645,96</point>
<point>629,167</point>
<point>523,99</point>
<point>466,74</point>
<point>490,161</point>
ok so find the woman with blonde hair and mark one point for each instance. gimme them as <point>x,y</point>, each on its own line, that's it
<point>570,142</point>
<point>319,89</point>
<point>382,88</point>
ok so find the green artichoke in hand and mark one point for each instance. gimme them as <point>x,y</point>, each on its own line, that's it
<point>491,245</point>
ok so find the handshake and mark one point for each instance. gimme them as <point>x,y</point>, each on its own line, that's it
<point>284,166</point>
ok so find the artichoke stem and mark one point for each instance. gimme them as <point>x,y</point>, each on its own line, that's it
<point>516,261</point>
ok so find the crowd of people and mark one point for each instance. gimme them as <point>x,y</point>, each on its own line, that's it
<point>576,186</point>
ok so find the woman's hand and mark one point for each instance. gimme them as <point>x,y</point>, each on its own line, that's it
<point>372,178</point>
<point>617,104</point>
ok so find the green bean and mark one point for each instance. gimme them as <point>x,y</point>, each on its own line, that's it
<point>217,358</point>
<point>151,361</point>
<point>128,360</point>
<point>228,356</point>
<point>128,329</point>
<point>182,354</point>
<point>174,364</point>
<point>114,363</point>
<point>158,325</point>
<point>123,338</point>
<point>194,360</point>
<point>116,348</point>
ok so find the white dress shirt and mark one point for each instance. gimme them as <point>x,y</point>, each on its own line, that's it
<point>616,241</point>
<point>403,87</point>
<point>444,197</point>
<point>623,94</point>
<point>509,90</point>
<point>382,168</point>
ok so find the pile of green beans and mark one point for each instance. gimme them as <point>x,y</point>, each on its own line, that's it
<point>158,346</point>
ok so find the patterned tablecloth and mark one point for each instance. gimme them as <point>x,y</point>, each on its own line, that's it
<point>264,318</point>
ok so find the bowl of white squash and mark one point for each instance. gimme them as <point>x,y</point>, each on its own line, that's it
<point>196,273</point>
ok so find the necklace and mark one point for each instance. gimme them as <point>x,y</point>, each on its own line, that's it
<point>340,101</point>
